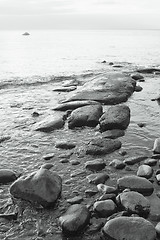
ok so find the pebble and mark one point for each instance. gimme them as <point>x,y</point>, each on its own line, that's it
<point>118,164</point>
<point>133,160</point>
<point>75,200</point>
<point>145,171</point>
<point>107,196</point>
<point>7,175</point>
<point>95,165</point>
<point>65,145</point>
<point>48,156</point>
<point>90,193</point>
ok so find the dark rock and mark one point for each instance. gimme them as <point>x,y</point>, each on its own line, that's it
<point>118,164</point>
<point>43,187</point>
<point>104,208</point>
<point>135,183</point>
<point>65,145</point>
<point>145,171</point>
<point>97,178</point>
<point>156,147</point>
<point>74,162</point>
<point>110,63</point>
<point>48,156</point>
<point>134,160</point>
<point>156,156</point>
<point>95,165</point>
<point>85,116</point>
<point>138,88</point>
<point>64,160</point>
<point>148,70</point>
<point>122,152</point>
<point>65,89</point>
<point>26,34</point>
<point>156,98</point>
<point>35,114</point>
<point>106,189</point>
<point>137,76</point>
<point>9,216</point>
<point>129,228</point>
<point>75,200</point>
<point>74,104</point>
<point>150,162</point>
<point>104,61</point>
<point>7,175</point>
<point>75,219</point>
<point>154,207</point>
<point>4,138</point>
<point>117,66</point>
<point>49,124</point>
<point>141,125</point>
<point>117,117</point>
<point>114,133</point>
<point>134,202</point>
<point>102,146</point>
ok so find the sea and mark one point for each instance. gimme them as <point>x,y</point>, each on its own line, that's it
<point>31,66</point>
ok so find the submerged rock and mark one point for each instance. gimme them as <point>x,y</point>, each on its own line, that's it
<point>43,187</point>
<point>7,175</point>
<point>75,219</point>
<point>49,124</point>
<point>129,228</point>
<point>117,117</point>
<point>85,116</point>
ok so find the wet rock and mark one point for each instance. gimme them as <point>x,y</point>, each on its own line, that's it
<point>138,88</point>
<point>107,196</point>
<point>118,164</point>
<point>154,207</point>
<point>134,202</point>
<point>74,104</point>
<point>145,171</point>
<point>49,124</point>
<point>65,145</point>
<point>129,228</point>
<point>85,116</point>
<point>156,147</point>
<point>7,175</point>
<point>148,70</point>
<point>75,200</point>
<point>65,89</point>
<point>150,162</point>
<point>43,187</point>
<point>137,76</point>
<point>48,156</point>
<point>111,89</point>
<point>75,219</point>
<point>103,146</point>
<point>104,208</point>
<point>134,160</point>
<point>135,183</point>
<point>97,178</point>
<point>95,165</point>
<point>4,138</point>
<point>114,133</point>
<point>106,189</point>
<point>117,117</point>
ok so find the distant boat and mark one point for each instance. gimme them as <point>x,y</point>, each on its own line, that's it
<point>26,34</point>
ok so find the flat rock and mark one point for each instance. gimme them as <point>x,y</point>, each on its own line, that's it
<point>50,123</point>
<point>95,165</point>
<point>97,178</point>
<point>135,183</point>
<point>85,116</point>
<point>65,89</point>
<point>7,175</point>
<point>145,171</point>
<point>134,202</point>
<point>138,88</point>
<point>103,146</point>
<point>75,219</point>
<point>113,88</point>
<point>74,104</point>
<point>156,147</point>
<point>148,70</point>
<point>65,145</point>
<point>118,164</point>
<point>114,133</point>
<point>117,117</point>
<point>134,160</point>
<point>48,156</point>
<point>154,207</point>
<point>104,208</point>
<point>75,200</point>
<point>137,76</point>
<point>129,228</point>
<point>42,187</point>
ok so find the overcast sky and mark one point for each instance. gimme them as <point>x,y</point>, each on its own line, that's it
<point>79,14</point>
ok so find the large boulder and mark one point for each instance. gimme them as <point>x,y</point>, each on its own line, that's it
<point>112,88</point>
<point>75,219</point>
<point>129,228</point>
<point>117,117</point>
<point>7,175</point>
<point>43,187</point>
<point>85,116</point>
<point>135,183</point>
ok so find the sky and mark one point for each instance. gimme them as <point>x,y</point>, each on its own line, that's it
<point>79,14</point>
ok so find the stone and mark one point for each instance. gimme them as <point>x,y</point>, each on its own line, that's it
<point>95,165</point>
<point>148,70</point>
<point>138,88</point>
<point>4,138</point>
<point>74,104</point>
<point>65,89</point>
<point>129,228</point>
<point>48,156</point>
<point>107,196</point>
<point>65,145</point>
<point>137,76</point>
<point>50,124</point>
<point>158,178</point>
<point>104,146</point>
<point>43,187</point>
<point>150,162</point>
<point>114,133</point>
<point>154,201</point>
<point>106,189</point>
<point>75,200</point>
<point>85,116</point>
<point>117,117</point>
<point>75,219</point>
<point>156,147</point>
<point>35,114</point>
<point>157,98</point>
<point>7,176</point>
<point>134,202</point>
<point>90,192</point>
<point>74,162</point>
<point>104,208</point>
<point>141,124</point>
<point>97,178</point>
<point>134,160</point>
<point>112,88</point>
<point>156,156</point>
<point>47,166</point>
<point>135,183</point>
<point>118,164</point>
<point>145,171</point>
<point>157,227</point>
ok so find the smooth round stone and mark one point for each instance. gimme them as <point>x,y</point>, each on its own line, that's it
<point>150,162</point>
<point>95,165</point>
<point>145,171</point>
<point>7,175</point>
<point>135,183</point>
<point>129,228</point>
<point>118,164</point>
<point>156,147</point>
<point>75,219</point>
<point>104,208</point>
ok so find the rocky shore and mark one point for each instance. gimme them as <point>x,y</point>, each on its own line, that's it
<point>88,185</point>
